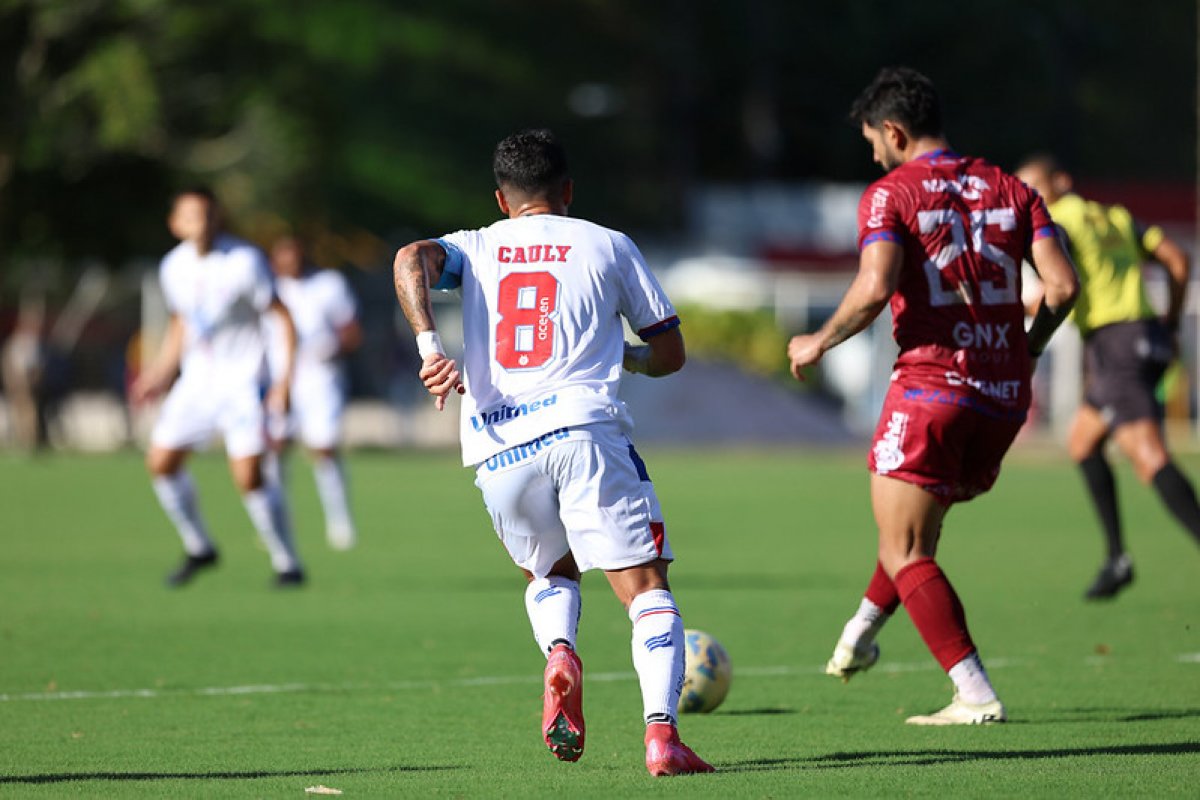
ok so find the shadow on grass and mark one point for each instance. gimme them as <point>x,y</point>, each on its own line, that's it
<point>755,712</point>
<point>1121,715</point>
<point>917,758</point>
<point>64,777</point>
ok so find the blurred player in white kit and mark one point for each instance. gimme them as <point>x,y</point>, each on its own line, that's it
<point>218,289</point>
<point>543,299</point>
<point>325,314</point>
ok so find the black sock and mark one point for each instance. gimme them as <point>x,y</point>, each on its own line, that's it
<point>1179,497</point>
<point>1098,476</point>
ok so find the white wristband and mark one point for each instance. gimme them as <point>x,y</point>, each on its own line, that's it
<point>428,344</point>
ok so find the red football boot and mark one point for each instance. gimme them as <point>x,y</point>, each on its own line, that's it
<point>666,755</point>
<point>562,713</point>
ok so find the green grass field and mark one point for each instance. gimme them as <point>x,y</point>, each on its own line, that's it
<point>406,668</point>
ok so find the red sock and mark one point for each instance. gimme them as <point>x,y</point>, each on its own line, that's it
<point>936,611</point>
<point>882,591</point>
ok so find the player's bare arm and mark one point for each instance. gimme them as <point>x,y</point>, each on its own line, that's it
<point>417,267</point>
<point>661,355</point>
<point>1060,287</point>
<point>1179,268</point>
<point>157,378</point>
<point>878,275</point>
<point>279,395</point>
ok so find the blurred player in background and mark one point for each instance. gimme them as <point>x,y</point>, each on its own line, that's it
<point>941,237</point>
<point>543,298</point>
<point>325,314</point>
<point>218,288</point>
<point>1127,348</point>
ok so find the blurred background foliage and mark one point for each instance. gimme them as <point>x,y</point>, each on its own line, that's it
<point>752,340</point>
<point>361,123</point>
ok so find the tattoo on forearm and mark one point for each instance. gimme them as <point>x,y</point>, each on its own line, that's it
<point>412,290</point>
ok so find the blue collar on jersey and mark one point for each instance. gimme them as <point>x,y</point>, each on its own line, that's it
<point>941,152</point>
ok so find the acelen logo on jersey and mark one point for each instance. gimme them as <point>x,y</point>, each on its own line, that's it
<point>533,254</point>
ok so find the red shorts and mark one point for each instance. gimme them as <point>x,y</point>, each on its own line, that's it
<point>946,440</point>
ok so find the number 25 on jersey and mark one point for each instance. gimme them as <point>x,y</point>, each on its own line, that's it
<point>990,293</point>
<point>525,334</point>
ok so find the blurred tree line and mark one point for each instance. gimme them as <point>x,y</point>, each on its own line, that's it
<point>361,123</point>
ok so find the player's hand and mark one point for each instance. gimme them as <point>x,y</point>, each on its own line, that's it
<point>147,386</point>
<point>279,399</point>
<point>804,351</point>
<point>441,376</point>
<point>637,358</point>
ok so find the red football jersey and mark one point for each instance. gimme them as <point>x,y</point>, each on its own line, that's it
<point>965,227</point>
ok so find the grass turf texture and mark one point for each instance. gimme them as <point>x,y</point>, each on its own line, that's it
<point>406,667</point>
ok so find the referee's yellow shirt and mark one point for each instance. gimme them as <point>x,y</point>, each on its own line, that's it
<point>1109,248</point>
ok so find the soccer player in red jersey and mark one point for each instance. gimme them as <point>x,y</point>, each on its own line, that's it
<point>941,238</point>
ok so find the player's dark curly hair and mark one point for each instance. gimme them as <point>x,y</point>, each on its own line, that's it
<point>903,95</point>
<point>531,161</point>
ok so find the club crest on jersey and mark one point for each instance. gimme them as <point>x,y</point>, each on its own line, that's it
<point>888,450</point>
<point>504,413</point>
<point>532,254</point>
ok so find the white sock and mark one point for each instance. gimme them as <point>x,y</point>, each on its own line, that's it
<point>177,496</point>
<point>865,625</point>
<point>658,653</point>
<point>269,514</point>
<point>553,605</point>
<point>971,681</point>
<point>331,488</point>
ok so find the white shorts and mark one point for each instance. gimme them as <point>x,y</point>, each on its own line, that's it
<point>583,490</point>
<point>195,411</point>
<point>316,416</point>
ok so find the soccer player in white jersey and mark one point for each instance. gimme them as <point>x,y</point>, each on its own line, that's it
<point>218,289</point>
<point>543,298</point>
<point>326,317</point>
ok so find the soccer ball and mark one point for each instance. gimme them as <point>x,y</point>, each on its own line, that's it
<point>707,674</point>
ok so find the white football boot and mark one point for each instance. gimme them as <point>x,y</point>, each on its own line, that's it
<point>960,712</point>
<point>847,660</point>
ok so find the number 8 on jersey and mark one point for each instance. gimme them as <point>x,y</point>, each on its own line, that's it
<point>527,305</point>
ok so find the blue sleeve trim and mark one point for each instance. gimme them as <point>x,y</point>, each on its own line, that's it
<point>1044,231</point>
<point>649,332</point>
<point>881,236</point>
<point>453,268</point>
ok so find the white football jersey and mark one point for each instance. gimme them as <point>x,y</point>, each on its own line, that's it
<point>221,297</point>
<point>543,341</point>
<point>320,303</point>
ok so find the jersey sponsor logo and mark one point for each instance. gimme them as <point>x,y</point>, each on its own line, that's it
<point>982,335</point>
<point>945,397</point>
<point>505,413</point>
<point>533,254</point>
<point>515,455</point>
<point>878,205</point>
<point>997,390</point>
<point>969,187</point>
<point>889,452</point>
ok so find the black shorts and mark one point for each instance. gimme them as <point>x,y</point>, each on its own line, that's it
<point>1123,364</point>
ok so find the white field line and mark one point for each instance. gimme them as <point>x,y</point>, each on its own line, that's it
<point>486,680</point>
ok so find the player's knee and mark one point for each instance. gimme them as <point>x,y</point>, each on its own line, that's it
<point>160,462</point>
<point>1148,464</point>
